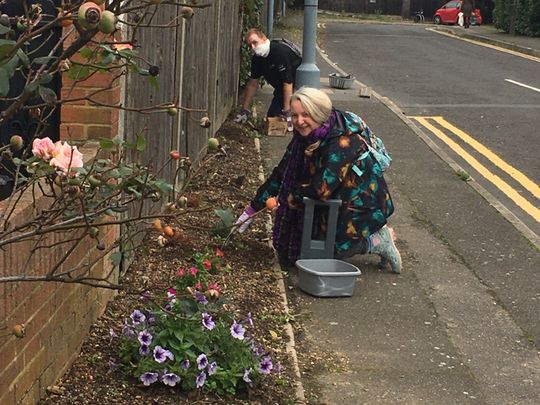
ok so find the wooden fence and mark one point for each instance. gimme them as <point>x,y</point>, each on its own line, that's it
<point>198,62</point>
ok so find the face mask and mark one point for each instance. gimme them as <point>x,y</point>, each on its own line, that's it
<point>263,49</point>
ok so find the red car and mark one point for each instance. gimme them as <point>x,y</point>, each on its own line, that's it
<point>448,14</point>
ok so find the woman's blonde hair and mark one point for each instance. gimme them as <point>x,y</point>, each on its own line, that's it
<point>316,103</point>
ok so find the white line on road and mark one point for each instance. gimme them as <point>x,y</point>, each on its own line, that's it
<point>522,85</point>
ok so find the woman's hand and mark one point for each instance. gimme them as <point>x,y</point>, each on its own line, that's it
<point>245,220</point>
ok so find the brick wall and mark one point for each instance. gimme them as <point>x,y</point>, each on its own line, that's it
<point>57,316</point>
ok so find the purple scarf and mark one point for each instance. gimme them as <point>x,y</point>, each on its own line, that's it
<point>288,224</point>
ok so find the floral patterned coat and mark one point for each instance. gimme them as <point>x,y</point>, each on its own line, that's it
<point>341,167</point>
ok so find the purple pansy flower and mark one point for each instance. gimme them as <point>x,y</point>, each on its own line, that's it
<point>137,317</point>
<point>257,350</point>
<point>144,350</point>
<point>145,338</point>
<point>151,320</point>
<point>249,319</point>
<point>127,330</point>
<point>200,298</point>
<point>278,368</point>
<point>207,321</point>
<point>201,378</point>
<point>237,331</point>
<point>161,354</point>
<point>202,361</point>
<point>185,364</point>
<point>148,378</point>
<point>147,295</point>
<point>246,378</point>
<point>212,368</point>
<point>112,334</point>
<point>170,379</point>
<point>265,365</point>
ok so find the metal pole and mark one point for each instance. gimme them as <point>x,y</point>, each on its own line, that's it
<point>283,8</point>
<point>270,20</point>
<point>308,74</point>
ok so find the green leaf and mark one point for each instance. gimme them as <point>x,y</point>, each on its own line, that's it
<point>140,143</point>
<point>153,82</point>
<point>116,258</point>
<point>32,87</point>
<point>23,57</point>
<point>11,65</point>
<point>4,83</point>
<point>4,29</point>
<point>78,72</point>
<point>43,60</point>
<point>108,59</point>
<point>86,53</point>
<point>163,186</point>
<point>178,335</point>
<point>6,46</point>
<point>106,144</point>
<point>47,95</point>
<point>226,216</point>
<point>114,173</point>
<point>45,78</point>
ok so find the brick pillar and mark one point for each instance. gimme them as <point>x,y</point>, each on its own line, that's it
<point>91,118</point>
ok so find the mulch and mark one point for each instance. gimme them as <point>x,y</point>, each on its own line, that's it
<point>250,285</point>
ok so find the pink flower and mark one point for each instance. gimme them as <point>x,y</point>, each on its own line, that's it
<point>181,272</point>
<point>207,264</point>
<point>219,252</point>
<point>171,293</point>
<point>198,285</point>
<point>65,156</point>
<point>43,148</point>
<point>193,271</point>
<point>121,46</point>
<point>214,290</point>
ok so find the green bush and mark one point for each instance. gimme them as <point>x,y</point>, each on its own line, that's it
<point>523,15</point>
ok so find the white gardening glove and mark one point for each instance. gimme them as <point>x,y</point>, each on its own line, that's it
<point>242,117</point>
<point>245,220</point>
<point>288,117</point>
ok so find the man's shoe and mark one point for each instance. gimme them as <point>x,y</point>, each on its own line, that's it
<point>386,247</point>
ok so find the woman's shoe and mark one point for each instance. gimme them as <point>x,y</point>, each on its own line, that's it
<point>383,245</point>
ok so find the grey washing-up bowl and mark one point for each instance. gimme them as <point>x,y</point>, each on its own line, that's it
<point>327,277</point>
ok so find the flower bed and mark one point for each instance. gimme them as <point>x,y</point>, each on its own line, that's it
<point>244,283</point>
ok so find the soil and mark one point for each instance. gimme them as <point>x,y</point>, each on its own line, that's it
<point>250,285</point>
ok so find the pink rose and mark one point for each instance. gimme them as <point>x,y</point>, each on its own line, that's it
<point>43,148</point>
<point>66,156</point>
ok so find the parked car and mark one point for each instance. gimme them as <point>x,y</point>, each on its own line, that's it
<point>448,14</point>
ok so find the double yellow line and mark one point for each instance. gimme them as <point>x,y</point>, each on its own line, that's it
<point>502,185</point>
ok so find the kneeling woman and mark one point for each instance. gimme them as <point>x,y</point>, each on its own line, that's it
<point>328,158</point>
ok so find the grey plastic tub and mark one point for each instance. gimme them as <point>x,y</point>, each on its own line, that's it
<point>327,277</point>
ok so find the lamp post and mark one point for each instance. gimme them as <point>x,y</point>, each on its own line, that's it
<point>308,74</point>
<point>270,19</point>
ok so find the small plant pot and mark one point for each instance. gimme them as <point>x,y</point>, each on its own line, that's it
<point>338,81</point>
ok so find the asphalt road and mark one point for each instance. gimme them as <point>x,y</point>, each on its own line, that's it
<point>488,101</point>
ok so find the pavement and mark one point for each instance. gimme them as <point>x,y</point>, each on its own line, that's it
<point>439,333</point>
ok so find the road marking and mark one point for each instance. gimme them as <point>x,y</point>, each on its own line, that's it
<point>498,48</point>
<point>508,190</point>
<point>507,106</point>
<point>521,178</point>
<point>522,85</point>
